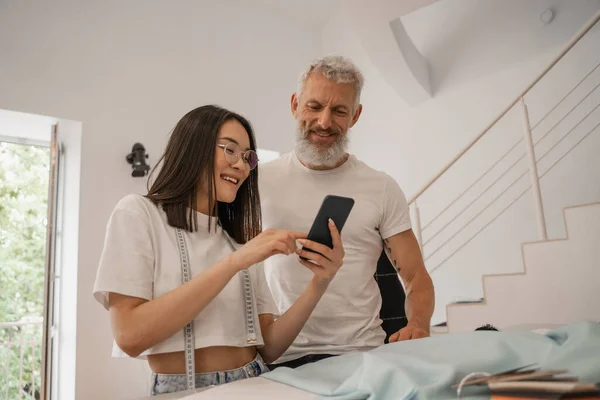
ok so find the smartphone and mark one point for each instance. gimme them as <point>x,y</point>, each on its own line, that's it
<point>338,209</point>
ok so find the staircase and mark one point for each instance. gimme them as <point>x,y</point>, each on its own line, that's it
<point>558,280</point>
<point>565,274</point>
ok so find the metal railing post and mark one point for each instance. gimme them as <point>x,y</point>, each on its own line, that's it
<point>417,226</point>
<point>533,174</point>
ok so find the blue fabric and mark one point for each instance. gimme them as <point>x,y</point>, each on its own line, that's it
<point>427,368</point>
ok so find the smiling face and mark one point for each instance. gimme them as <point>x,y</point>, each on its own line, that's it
<point>325,111</point>
<point>195,176</point>
<point>233,140</point>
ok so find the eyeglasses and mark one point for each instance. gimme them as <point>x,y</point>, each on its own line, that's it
<point>233,153</point>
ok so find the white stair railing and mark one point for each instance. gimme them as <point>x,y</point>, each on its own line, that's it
<point>423,229</point>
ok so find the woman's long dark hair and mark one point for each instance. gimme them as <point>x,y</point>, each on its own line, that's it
<point>188,163</point>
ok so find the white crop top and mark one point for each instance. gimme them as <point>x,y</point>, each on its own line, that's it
<point>141,259</point>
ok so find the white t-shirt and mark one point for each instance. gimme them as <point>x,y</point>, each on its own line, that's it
<point>347,317</point>
<point>141,259</point>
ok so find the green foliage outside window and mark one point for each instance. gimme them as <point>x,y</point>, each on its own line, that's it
<point>23,213</point>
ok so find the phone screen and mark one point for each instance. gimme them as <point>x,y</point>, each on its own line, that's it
<point>338,209</point>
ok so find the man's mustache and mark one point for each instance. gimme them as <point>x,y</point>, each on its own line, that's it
<point>327,131</point>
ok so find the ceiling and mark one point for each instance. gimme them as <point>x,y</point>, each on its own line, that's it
<point>313,12</point>
<point>465,39</point>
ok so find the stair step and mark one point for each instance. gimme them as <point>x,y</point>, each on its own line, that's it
<point>558,285</point>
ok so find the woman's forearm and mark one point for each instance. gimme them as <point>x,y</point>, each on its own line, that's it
<point>139,326</point>
<point>279,334</point>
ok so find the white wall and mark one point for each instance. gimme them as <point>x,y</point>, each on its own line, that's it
<point>473,84</point>
<point>128,71</point>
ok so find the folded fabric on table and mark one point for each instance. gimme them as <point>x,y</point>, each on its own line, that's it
<point>427,368</point>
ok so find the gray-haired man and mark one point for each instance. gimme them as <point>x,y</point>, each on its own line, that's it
<point>326,106</point>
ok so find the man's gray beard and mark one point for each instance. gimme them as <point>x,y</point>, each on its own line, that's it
<point>311,154</point>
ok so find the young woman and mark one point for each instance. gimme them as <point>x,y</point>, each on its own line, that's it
<point>181,270</point>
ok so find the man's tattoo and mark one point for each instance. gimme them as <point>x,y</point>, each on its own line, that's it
<point>388,250</point>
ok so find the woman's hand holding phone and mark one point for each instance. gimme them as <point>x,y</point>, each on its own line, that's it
<point>323,261</point>
<point>268,243</point>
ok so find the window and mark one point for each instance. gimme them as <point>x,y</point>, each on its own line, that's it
<point>24,177</point>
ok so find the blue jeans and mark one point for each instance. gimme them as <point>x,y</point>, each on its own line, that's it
<point>169,383</point>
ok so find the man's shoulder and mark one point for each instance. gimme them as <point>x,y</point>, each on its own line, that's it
<point>376,178</point>
<point>368,171</point>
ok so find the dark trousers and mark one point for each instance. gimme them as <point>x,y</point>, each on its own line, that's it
<point>392,311</point>
<point>300,361</point>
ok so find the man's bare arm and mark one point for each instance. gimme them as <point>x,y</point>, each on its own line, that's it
<point>405,255</point>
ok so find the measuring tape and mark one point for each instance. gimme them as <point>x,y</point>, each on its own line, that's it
<point>188,331</point>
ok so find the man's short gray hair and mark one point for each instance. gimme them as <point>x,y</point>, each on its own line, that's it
<point>337,69</point>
